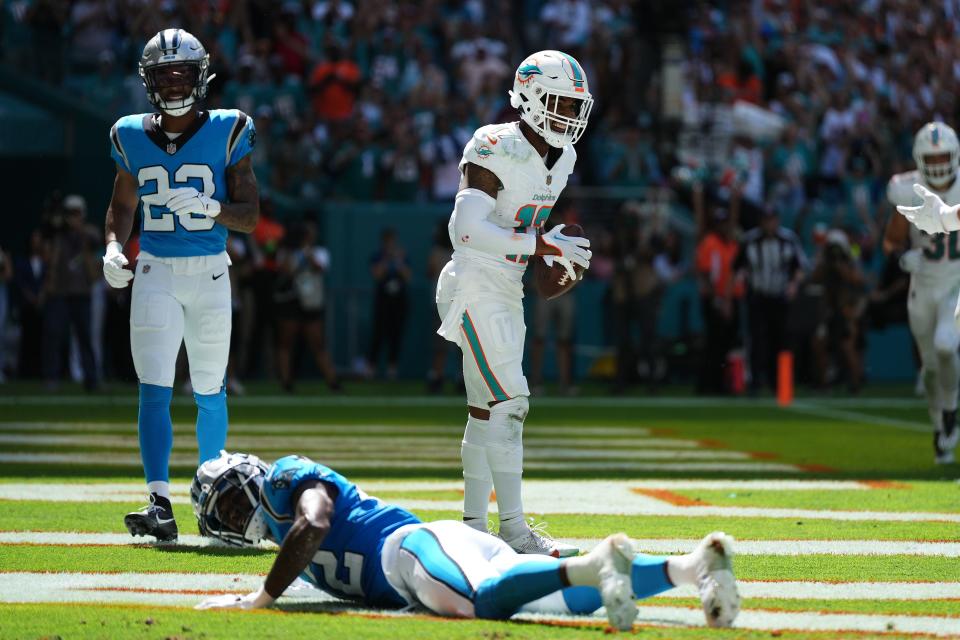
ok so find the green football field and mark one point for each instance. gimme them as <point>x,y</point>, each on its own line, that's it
<point>844,525</point>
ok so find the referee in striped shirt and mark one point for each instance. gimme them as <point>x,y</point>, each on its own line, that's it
<point>773,263</point>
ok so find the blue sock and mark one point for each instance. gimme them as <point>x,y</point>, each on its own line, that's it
<point>156,431</point>
<point>211,424</point>
<point>649,576</point>
<point>501,597</point>
<point>582,600</point>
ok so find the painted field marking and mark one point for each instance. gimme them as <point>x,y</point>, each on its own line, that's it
<point>182,460</point>
<point>188,589</point>
<point>656,546</point>
<point>850,415</point>
<point>331,443</point>
<point>582,497</point>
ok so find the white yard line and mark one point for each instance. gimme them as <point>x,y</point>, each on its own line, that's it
<point>850,415</point>
<point>404,462</point>
<point>647,545</point>
<point>555,497</point>
<point>810,621</point>
<point>188,589</point>
<point>329,442</point>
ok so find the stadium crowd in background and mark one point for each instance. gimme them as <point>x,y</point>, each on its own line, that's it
<point>375,100</point>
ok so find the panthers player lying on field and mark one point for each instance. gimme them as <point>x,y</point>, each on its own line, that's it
<point>356,547</point>
<point>933,262</point>
<point>512,176</point>
<point>190,173</point>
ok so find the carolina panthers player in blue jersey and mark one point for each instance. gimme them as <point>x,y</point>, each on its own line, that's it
<point>356,547</point>
<point>189,172</point>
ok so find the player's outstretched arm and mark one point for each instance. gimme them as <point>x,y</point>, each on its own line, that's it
<point>243,210</point>
<point>933,216</point>
<point>119,223</point>
<point>311,524</point>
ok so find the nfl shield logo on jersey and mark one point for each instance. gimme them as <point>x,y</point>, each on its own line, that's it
<point>171,148</point>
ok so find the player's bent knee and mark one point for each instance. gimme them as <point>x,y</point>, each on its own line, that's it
<point>505,439</point>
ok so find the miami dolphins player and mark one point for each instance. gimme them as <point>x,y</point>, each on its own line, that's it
<point>356,547</point>
<point>512,175</point>
<point>189,172</point>
<point>933,262</point>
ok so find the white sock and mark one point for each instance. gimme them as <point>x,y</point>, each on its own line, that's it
<point>682,569</point>
<point>160,488</point>
<point>949,379</point>
<point>477,481</point>
<point>505,456</point>
<point>509,502</point>
<point>480,524</point>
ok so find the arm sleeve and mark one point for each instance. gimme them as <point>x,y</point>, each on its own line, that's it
<point>117,151</point>
<point>243,137</point>
<point>470,227</point>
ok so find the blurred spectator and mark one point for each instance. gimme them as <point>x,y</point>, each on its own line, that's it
<point>333,85</point>
<point>47,20</point>
<point>300,300</point>
<point>29,274</point>
<point>266,237</point>
<point>634,298</point>
<point>73,269</point>
<point>772,262</point>
<point>440,156</point>
<point>391,273</point>
<point>842,284</point>
<point>719,295</point>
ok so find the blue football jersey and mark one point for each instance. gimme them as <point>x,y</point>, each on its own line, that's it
<point>347,564</point>
<point>198,158</point>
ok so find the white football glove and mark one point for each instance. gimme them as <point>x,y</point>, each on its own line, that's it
<point>933,216</point>
<point>187,200</point>
<point>910,261</point>
<point>573,250</point>
<point>256,600</point>
<point>113,266</point>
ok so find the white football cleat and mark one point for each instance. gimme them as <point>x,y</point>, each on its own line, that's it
<point>535,540</point>
<point>609,564</point>
<point>715,581</point>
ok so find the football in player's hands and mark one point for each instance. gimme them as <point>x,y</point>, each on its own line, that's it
<point>551,277</point>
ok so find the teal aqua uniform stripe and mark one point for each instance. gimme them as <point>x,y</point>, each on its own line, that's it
<point>488,377</point>
<point>425,547</point>
<point>577,74</point>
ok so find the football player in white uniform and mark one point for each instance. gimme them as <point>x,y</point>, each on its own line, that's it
<point>512,174</point>
<point>933,262</point>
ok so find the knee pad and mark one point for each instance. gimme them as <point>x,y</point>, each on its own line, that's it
<point>473,450</point>
<point>505,438</point>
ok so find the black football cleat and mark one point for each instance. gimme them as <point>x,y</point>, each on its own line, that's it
<point>156,519</point>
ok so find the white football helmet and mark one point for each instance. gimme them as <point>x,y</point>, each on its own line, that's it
<point>541,80</point>
<point>936,138</point>
<point>226,499</point>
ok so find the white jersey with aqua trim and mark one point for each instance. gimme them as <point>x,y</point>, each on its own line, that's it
<point>529,191</point>
<point>941,252</point>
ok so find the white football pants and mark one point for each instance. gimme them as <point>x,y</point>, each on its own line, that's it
<point>179,300</point>
<point>479,556</point>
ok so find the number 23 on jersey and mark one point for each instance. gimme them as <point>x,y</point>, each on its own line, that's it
<point>161,179</point>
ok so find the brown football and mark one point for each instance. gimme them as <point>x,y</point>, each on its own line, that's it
<point>555,281</point>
